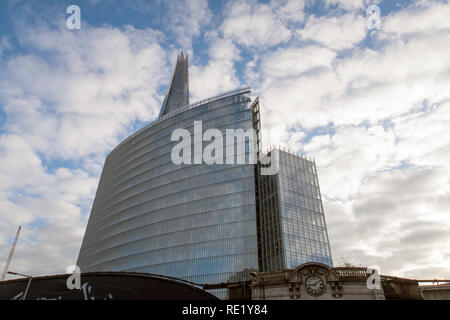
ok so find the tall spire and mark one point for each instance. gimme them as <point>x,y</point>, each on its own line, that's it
<point>178,93</point>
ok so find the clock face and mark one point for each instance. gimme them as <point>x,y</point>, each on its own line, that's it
<point>314,285</point>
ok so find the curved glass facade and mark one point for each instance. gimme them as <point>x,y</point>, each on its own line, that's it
<point>196,222</point>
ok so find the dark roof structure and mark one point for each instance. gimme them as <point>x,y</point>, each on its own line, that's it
<point>104,286</point>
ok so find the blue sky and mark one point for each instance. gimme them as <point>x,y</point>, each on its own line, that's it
<point>371,106</point>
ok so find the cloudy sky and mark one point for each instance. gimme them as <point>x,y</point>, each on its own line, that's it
<point>371,106</point>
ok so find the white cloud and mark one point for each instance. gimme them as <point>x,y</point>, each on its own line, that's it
<point>338,32</point>
<point>416,19</point>
<point>218,75</point>
<point>289,62</point>
<point>289,11</point>
<point>181,20</point>
<point>349,156</point>
<point>394,218</point>
<point>364,85</point>
<point>383,165</point>
<point>350,5</point>
<point>254,24</point>
<point>117,71</point>
<point>67,102</point>
<point>187,18</point>
<point>48,205</point>
<point>393,223</point>
<point>423,137</point>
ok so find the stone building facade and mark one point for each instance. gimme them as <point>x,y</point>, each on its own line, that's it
<point>314,281</point>
<point>317,281</point>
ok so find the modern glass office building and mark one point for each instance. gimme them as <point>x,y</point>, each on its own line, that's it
<point>196,222</point>
<point>291,223</point>
<point>204,223</point>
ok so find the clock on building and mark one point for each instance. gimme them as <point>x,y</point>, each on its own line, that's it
<point>315,286</point>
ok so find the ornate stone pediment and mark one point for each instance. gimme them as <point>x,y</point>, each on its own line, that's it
<point>299,275</point>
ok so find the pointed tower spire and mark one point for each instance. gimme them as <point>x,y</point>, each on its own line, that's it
<point>178,93</point>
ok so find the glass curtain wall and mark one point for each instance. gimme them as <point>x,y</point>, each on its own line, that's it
<point>192,221</point>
